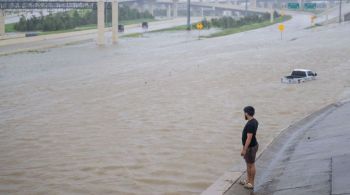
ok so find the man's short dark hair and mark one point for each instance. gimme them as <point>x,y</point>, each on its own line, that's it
<point>249,110</point>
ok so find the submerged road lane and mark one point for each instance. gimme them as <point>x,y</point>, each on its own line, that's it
<point>49,41</point>
<point>158,114</point>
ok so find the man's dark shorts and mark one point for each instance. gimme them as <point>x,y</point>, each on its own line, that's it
<point>251,154</point>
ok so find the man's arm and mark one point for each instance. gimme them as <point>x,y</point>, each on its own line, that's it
<point>247,143</point>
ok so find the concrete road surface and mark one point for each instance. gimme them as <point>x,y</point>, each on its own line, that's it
<point>332,15</point>
<point>311,157</point>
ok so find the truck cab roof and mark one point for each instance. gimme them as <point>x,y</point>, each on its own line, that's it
<point>304,70</point>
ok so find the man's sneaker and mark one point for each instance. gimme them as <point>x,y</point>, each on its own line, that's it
<point>248,186</point>
<point>243,182</point>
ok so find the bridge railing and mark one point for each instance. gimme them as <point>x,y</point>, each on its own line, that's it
<point>33,5</point>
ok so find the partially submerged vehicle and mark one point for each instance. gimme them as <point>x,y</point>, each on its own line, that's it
<point>299,76</point>
<point>120,28</point>
<point>144,25</point>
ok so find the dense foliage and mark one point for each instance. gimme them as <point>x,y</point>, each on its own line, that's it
<point>72,19</point>
<point>230,22</point>
<point>126,13</point>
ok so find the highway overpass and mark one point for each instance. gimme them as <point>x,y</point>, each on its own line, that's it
<point>236,6</point>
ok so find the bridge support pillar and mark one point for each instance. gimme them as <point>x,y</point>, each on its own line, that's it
<point>2,22</point>
<point>115,21</point>
<point>168,11</point>
<point>101,22</point>
<point>175,8</point>
<point>301,2</point>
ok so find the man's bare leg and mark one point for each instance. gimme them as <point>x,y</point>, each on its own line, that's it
<point>252,172</point>
<point>248,174</point>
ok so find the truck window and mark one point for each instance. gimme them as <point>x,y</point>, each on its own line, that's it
<point>310,73</point>
<point>299,73</point>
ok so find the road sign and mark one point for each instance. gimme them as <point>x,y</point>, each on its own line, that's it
<point>199,26</point>
<point>293,5</point>
<point>309,6</point>
<point>281,27</point>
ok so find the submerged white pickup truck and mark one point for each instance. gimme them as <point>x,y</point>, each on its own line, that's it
<point>299,76</point>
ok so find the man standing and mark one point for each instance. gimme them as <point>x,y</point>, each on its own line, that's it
<point>250,146</point>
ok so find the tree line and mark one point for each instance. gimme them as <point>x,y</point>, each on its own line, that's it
<point>230,22</point>
<point>74,18</point>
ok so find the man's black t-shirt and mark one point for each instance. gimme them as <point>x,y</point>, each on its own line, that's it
<point>250,127</point>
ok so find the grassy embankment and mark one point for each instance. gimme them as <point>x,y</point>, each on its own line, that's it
<point>10,28</point>
<point>222,32</point>
<point>176,28</point>
<point>229,31</point>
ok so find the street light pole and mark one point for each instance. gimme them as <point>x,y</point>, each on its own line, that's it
<point>188,14</point>
<point>340,10</point>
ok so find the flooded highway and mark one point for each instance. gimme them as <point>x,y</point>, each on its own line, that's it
<point>160,114</point>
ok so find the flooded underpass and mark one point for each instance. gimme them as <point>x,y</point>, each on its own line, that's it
<point>160,114</point>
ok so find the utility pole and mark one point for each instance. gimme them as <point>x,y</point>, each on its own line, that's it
<point>340,11</point>
<point>188,14</point>
<point>246,8</point>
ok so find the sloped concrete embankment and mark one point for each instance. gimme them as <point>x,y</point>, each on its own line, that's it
<point>309,157</point>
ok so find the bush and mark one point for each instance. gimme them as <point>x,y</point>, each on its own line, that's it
<point>229,22</point>
<point>72,19</point>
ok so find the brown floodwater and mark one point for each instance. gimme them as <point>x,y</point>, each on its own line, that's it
<point>161,114</point>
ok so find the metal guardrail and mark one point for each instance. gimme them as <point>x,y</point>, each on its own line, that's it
<point>32,5</point>
<point>39,5</point>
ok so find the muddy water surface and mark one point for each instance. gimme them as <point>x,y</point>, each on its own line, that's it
<point>159,114</point>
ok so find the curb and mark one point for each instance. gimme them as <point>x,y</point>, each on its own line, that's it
<point>39,49</point>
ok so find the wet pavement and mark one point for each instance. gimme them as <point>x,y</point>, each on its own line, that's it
<point>23,44</point>
<point>310,157</point>
<point>158,114</point>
